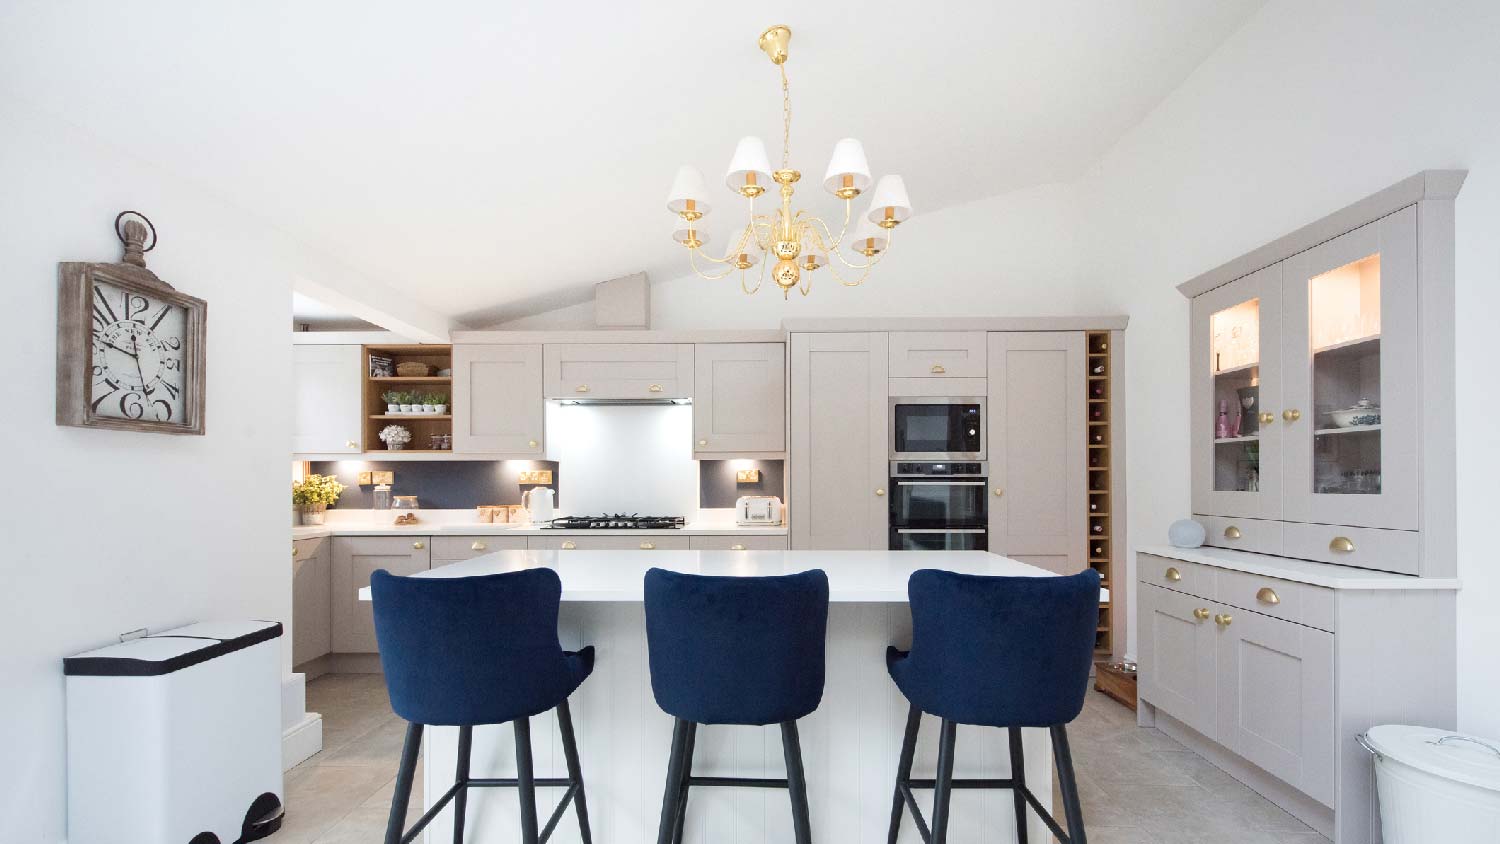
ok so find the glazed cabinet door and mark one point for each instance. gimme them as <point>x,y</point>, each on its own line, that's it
<point>355,558</point>
<point>1235,393</point>
<point>1276,697</point>
<point>498,406</point>
<point>1351,383</point>
<point>1177,659</point>
<point>1038,448</point>
<point>739,398</point>
<point>328,384</point>
<point>839,468</point>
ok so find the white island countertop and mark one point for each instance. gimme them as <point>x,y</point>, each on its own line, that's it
<point>853,576</point>
<point>482,529</point>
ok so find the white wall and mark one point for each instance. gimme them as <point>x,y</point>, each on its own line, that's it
<point>110,531</point>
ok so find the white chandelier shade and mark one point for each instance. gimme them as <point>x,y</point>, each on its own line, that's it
<point>689,192</point>
<point>688,232</point>
<point>889,202</point>
<point>750,167</point>
<point>869,239</point>
<point>848,160</point>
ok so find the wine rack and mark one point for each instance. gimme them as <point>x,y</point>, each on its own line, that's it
<point>1100,539</point>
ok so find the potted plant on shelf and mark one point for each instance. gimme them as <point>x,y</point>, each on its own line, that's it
<point>405,404</point>
<point>427,402</point>
<point>312,496</point>
<point>392,401</point>
<point>440,403</point>
<point>395,437</point>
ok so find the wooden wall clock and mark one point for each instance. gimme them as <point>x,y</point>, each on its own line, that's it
<point>130,347</point>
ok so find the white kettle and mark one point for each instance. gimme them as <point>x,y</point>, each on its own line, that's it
<point>539,502</point>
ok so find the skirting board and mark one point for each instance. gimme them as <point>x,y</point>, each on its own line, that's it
<point>301,741</point>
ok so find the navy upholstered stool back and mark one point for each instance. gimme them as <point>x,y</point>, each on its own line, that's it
<point>736,650</point>
<point>464,651</point>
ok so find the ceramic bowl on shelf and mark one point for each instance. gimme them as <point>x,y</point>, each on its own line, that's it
<point>1364,412</point>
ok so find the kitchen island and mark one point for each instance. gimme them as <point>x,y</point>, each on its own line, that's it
<point>850,745</point>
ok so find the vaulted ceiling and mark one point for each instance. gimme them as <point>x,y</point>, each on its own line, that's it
<point>477,155</point>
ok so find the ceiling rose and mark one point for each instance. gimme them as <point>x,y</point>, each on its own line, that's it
<point>799,243</point>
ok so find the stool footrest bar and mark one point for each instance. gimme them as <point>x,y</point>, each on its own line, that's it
<point>741,782</point>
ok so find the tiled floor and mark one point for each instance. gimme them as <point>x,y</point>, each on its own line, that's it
<point>1137,785</point>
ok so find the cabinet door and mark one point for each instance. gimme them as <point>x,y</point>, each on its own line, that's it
<point>1038,448</point>
<point>355,558</point>
<point>1351,339</point>
<point>619,370</point>
<point>1276,698</point>
<point>312,591</point>
<point>453,549</point>
<point>937,354</point>
<point>650,542</point>
<point>498,406</point>
<point>1236,371</point>
<point>739,543</point>
<point>739,397</point>
<point>1178,657</point>
<point>839,469</point>
<point>328,385</point>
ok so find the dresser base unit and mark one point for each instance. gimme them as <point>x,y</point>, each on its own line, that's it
<point>1270,667</point>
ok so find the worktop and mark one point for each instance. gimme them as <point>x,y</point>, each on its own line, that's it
<point>1327,575</point>
<point>484,529</point>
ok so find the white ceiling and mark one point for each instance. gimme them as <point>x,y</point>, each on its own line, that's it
<point>476,155</point>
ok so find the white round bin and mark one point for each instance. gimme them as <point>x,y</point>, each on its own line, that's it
<point>1435,786</point>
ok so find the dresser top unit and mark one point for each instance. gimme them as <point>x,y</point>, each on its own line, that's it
<point>1328,575</point>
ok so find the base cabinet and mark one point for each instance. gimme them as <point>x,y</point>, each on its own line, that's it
<point>1178,657</point>
<point>312,599</point>
<point>607,543</point>
<point>355,558</point>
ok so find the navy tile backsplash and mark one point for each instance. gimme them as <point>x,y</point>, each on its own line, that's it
<point>717,487</point>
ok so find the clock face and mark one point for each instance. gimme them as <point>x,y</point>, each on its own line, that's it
<point>138,354</point>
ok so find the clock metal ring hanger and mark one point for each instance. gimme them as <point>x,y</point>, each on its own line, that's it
<point>120,229</point>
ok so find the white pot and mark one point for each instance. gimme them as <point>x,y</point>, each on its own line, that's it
<point>393,408</point>
<point>406,408</point>
<point>440,408</point>
<point>427,408</point>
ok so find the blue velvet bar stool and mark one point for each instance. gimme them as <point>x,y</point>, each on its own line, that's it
<point>735,650</point>
<point>470,651</point>
<point>1006,652</point>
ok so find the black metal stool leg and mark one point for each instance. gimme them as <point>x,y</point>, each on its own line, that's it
<point>575,770</point>
<point>796,782</point>
<point>401,798</point>
<point>1068,785</point>
<point>525,782</point>
<point>1018,777</point>
<point>903,770</point>
<point>942,789</point>
<point>687,773</point>
<point>672,793</point>
<point>461,778</point>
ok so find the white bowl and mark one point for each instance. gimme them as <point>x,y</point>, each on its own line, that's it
<point>1356,416</point>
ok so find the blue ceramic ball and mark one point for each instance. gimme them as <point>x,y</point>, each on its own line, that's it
<point>1186,533</point>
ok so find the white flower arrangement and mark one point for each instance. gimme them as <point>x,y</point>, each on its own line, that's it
<point>395,437</point>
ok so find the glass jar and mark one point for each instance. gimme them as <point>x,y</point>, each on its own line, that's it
<point>381,498</point>
<point>405,503</point>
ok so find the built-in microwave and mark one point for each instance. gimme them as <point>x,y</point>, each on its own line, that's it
<point>932,428</point>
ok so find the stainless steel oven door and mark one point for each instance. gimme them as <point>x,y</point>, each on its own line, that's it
<point>938,502</point>
<point>939,539</point>
<point>930,428</point>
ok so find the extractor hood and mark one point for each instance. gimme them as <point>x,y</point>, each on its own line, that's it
<point>621,402</point>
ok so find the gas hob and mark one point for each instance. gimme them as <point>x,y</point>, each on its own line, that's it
<point>617,521</point>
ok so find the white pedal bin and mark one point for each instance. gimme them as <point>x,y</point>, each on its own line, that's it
<point>1435,786</point>
<point>175,738</point>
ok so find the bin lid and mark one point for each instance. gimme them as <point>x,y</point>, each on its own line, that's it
<point>1442,753</point>
<point>170,650</point>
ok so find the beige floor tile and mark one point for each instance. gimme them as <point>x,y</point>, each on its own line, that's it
<point>321,796</point>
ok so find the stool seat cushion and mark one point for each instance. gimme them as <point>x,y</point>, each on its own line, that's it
<point>465,651</point>
<point>736,650</point>
<point>999,651</point>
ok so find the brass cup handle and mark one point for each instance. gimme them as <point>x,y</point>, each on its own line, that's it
<point>419,545</point>
<point>1232,532</point>
<point>1223,619</point>
<point>938,369</point>
<point>1267,595</point>
<point>1341,544</point>
<point>532,443</point>
<point>703,442</point>
<point>1173,575</point>
<point>1291,415</point>
<point>581,388</point>
<point>879,491</point>
<point>478,546</point>
<point>655,388</point>
<point>648,546</point>
<point>1201,613</point>
<point>569,545</point>
<point>1267,418</point>
<point>737,547</point>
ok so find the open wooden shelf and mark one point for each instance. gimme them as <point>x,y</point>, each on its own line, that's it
<point>1100,394</point>
<point>413,417</point>
<point>423,426</point>
<point>411,379</point>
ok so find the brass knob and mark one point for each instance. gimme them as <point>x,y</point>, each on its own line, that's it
<point>478,546</point>
<point>1173,575</point>
<point>1267,418</point>
<point>737,547</point>
<point>569,545</point>
<point>1291,415</point>
<point>1232,532</point>
<point>655,388</point>
<point>294,550</point>
<point>1201,613</point>
<point>1341,544</point>
<point>581,388</point>
<point>418,545</point>
<point>1223,620</point>
<point>999,492</point>
<point>648,546</point>
<point>703,442</point>
<point>1267,595</point>
<point>532,443</point>
<point>351,444</point>
<point>880,491</point>
<point>937,369</point>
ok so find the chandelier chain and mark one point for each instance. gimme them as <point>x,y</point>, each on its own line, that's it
<point>786,121</point>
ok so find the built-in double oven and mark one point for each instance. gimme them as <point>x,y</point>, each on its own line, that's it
<point>938,474</point>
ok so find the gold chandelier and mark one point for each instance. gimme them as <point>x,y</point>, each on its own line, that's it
<point>798,241</point>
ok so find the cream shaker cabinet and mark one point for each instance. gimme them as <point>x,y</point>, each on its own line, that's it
<point>613,542</point>
<point>453,549</point>
<point>839,441</point>
<point>1178,656</point>
<point>938,354</point>
<point>739,398</point>
<point>355,558</point>
<point>618,371</point>
<point>327,384</point>
<point>312,597</point>
<point>498,405</point>
<point>1038,448</point>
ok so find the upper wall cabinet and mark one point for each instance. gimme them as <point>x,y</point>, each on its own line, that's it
<point>327,381</point>
<point>942,354</point>
<point>619,371</point>
<point>498,407</point>
<point>739,400</point>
